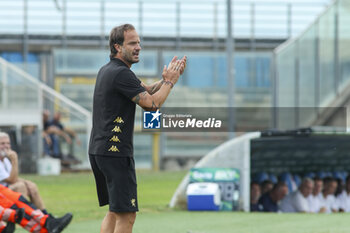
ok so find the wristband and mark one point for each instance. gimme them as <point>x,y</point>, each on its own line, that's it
<point>170,83</point>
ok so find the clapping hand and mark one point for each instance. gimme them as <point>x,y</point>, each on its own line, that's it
<point>175,68</point>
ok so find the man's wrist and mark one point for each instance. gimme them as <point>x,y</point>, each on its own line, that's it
<point>169,83</point>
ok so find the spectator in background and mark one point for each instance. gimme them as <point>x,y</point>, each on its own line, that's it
<point>9,173</point>
<point>340,186</point>
<point>327,199</point>
<point>51,136</point>
<point>343,199</point>
<point>266,186</point>
<point>255,193</point>
<point>315,198</point>
<point>269,201</point>
<point>297,201</point>
<point>68,158</point>
<point>56,121</point>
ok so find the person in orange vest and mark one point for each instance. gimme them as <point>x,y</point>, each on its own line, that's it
<point>34,219</point>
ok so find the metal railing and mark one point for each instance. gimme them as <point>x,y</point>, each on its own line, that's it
<point>22,95</point>
<point>259,19</point>
<point>312,70</point>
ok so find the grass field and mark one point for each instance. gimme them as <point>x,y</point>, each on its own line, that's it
<point>76,193</point>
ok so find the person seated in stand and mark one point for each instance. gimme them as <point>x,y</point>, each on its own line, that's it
<point>51,135</point>
<point>56,121</point>
<point>315,198</point>
<point>297,201</point>
<point>327,199</point>
<point>343,199</point>
<point>255,193</point>
<point>266,186</point>
<point>269,201</point>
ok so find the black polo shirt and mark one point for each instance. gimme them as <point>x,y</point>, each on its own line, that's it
<point>114,111</point>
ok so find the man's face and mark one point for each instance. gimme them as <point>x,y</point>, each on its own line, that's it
<point>331,187</point>
<point>307,188</point>
<point>318,187</point>
<point>255,192</point>
<point>282,192</point>
<point>5,144</point>
<point>46,115</point>
<point>266,188</point>
<point>130,49</point>
<point>57,117</point>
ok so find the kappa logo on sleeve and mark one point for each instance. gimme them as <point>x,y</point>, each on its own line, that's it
<point>151,120</point>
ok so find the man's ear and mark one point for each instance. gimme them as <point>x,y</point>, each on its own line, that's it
<point>118,47</point>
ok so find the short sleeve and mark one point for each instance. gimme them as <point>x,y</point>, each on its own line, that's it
<point>5,167</point>
<point>128,84</point>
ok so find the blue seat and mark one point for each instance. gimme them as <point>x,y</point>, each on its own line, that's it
<point>321,174</point>
<point>338,175</point>
<point>310,175</point>
<point>297,180</point>
<point>273,178</point>
<point>288,179</point>
<point>260,177</point>
<point>345,174</point>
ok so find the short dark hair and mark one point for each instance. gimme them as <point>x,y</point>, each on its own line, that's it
<point>328,180</point>
<point>117,37</point>
<point>266,182</point>
<point>317,178</point>
<point>279,185</point>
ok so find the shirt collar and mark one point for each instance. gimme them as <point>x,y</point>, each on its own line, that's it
<point>120,62</point>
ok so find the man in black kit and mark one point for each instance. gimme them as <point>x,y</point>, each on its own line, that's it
<point>117,91</point>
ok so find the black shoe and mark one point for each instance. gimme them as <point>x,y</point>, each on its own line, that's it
<point>19,215</point>
<point>56,225</point>
<point>10,228</point>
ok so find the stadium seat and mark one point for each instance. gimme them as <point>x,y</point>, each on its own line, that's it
<point>321,174</point>
<point>261,177</point>
<point>345,174</point>
<point>297,180</point>
<point>273,178</point>
<point>310,175</point>
<point>288,179</point>
<point>338,175</point>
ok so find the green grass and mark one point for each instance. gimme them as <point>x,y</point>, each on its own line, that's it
<point>76,193</point>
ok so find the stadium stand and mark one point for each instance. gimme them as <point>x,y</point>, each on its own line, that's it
<point>71,74</point>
